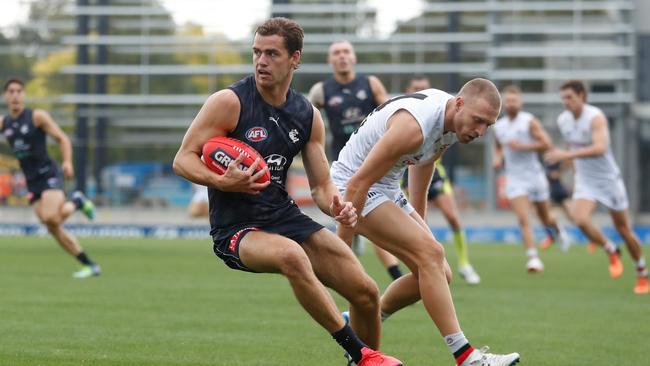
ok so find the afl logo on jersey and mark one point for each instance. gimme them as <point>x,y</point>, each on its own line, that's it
<point>335,101</point>
<point>256,134</point>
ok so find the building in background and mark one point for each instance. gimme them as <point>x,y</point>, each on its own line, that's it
<point>129,80</point>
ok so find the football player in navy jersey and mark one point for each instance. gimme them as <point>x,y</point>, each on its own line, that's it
<point>257,227</point>
<point>26,131</point>
<point>347,98</point>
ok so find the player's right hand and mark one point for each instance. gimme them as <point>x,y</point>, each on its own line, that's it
<point>343,212</point>
<point>236,179</point>
<point>68,169</point>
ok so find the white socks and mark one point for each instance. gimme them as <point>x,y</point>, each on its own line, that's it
<point>531,252</point>
<point>455,341</point>
<point>609,247</point>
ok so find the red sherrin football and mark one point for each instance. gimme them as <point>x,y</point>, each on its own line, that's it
<point>219,151</point>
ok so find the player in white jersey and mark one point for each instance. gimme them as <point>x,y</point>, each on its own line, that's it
<point>347,98</point>
<point>518,138</point>
<point>198,206</point>
<point>441,194</point>
<point>597,178</point>
<point>414,129</point>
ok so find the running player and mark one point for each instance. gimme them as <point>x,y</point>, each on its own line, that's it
<point>519,137</point>
<point>414,129</point>
<point>26,131</point>
<point>347,98</point>
<point>442,195</point>
<point>597,178</point>
<point>198,206</point>
<point>257,227</point>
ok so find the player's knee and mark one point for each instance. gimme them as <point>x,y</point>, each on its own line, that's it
<point>623,228</point>
<point>430,253</point>
<point>51,221</point>
<point>454,223</point>
<point>581,221</point>
<point>524,221</point>
<point>367,295</point>
<point>294,262</point>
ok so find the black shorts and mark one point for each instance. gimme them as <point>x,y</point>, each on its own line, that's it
<point>50,180</point>
<point>436,186</point>
<point>291,223</point>
<point>557,191</point>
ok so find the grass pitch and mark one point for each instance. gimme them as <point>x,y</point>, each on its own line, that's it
<point>171,302</point>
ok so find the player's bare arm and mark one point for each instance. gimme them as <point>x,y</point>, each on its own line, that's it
<point>317,95</point>
<point>378,90</point>
<point>542,140</point>
<point>599,138</point>
<point>217,117</point>
<point>403,136</point>
<point>497,155</point>
<point>43,120</point>
<point>323,191</point>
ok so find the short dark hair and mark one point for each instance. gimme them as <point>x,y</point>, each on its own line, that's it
<point>419,77</point>
<point>577,86</point>
<point>288,29</point>
<point>13,80</point>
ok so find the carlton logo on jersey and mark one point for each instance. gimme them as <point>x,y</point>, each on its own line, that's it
<point>256,134</point>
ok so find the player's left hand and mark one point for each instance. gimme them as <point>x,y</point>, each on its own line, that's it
<point>343,212</point>
<point>68,170</point>
<point>555,155</point>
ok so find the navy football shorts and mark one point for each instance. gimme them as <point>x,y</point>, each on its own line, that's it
<point>52,179</point>
<point>290,223</point>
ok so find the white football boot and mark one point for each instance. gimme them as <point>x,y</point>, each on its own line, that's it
<point>534,265</point>
<point>482,358</point>
<point>468,273</point>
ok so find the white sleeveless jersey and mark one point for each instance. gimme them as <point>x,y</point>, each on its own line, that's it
<point>428,108</point>
<point>518,164</point>
<point>577,132</point>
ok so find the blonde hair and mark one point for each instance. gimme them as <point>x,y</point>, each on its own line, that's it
<point>482,88</point>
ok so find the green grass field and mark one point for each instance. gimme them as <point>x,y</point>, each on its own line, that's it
<point>171,302</point>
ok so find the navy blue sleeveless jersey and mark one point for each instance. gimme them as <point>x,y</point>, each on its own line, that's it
<point>28,143</point>
<point>278,134</point>
<point>346,105</point>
